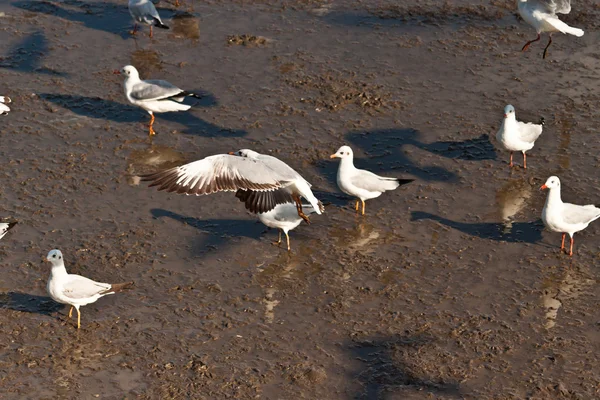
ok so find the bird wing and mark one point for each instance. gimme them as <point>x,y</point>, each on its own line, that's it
<point>5,227</point>
<point>80,287</point>
<point>153,90</point>
<point>144,10</point>
<point>576,214</point>
<point>217,173</point>
<point>529,132</point>
<point>281,167</point>
<point>261,202</point>
<point>552,6</point>
<point>367,180</point>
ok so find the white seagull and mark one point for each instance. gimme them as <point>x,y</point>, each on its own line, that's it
<point>144,12</point>
<point>154,96</point>
<point>5,227</point>
<point>565,217</point>
<point>4,109</point>
<point>76,290</point>
<point>515,135</point>
<point>259,180</point>
<point>541,14</point>
<point>361,183</point>
<point>285,218</point>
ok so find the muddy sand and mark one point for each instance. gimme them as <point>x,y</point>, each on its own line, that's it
<point>448,288</point>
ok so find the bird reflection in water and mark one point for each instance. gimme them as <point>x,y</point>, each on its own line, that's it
<point>147,62</point>
<point>511,199</point>
<point>151,159</point>
<point>362,237</point>
<point>558,288</point>
<point>186,26</point>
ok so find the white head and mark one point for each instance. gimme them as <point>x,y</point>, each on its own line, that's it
<point>55,257</point>
<point>245,153</point>
<point>551,183</point>
<point>509,112</point>
<point>129,71</point>
<point>343,152</point>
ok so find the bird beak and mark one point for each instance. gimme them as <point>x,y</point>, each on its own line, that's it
<point>231,153</point>
<point>46,259</point>
<point>544,187</point>
<point>505,115</point>
<point>116,72</point>
<point>333,156</point>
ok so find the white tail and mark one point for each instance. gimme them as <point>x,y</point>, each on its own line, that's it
<point>564,28</point>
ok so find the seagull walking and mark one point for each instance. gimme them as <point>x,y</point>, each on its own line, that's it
<point>259,180</point>
<point>515,135</point>
<point>144,12</point>
<point>154,96</point>
<point>4,109</point>
<point>565,217</point>
<point>541,14</point>
<point>361,183</point>
<point>5,227</point>
<point>285,218</point>
<point>76,290</point>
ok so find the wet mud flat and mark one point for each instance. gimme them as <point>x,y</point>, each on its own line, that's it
<point>448,287</point>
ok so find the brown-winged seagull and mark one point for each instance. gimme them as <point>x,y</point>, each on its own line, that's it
<point>260,181</point>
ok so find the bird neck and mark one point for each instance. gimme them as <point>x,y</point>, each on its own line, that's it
<point>347,162</point>
<point>58,271</point>
<point>553,198</point>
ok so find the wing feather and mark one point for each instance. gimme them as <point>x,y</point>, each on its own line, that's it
<point>80,287</point>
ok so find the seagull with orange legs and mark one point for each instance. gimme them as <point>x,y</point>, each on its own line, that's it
<point>285,218</point>
<point>144,12</point>
<point>76,290</point>
<point>154,96</point>
<point>565,217</point>
<point>515,135</point>
<point>361,183</point>
<point>541,14</point>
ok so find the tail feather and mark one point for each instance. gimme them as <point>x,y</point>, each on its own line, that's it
<point>158,23</point>
<point>564,28</point>
<point>118,287</point>
<point>198,96</point>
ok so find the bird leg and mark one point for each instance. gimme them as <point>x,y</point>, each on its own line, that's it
<point>134,31</point>
<point>511,163</point>
<point>363,207</point>
<point>78,319</point>
<point>277,243</point>
<point>571,250</point>
<point>150,30</point>
<point>356,208</point>
<point>299,208</point>
<point>524,160</point>
<point>287,237</point>
<point>562,245</point>
<point>548,45</point>
<point>151,130</point>
<point>70,312</point>
<point>531,41</point>
<point>176,3</point>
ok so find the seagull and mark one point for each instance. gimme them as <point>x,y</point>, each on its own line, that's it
<point>515,135</point>
<point>144,12</point>
<point>5,227</point>
<point>361,183</point>
<point>259,180</point>
<point>541,14</point>
<point>285,218</point>
<point>76,290</point>
<point>153,95</point>
<point>4,109</point>
<point>565,217</point>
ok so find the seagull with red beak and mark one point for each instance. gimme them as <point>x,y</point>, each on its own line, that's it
<point>565,217</point>
<point>515,135</point>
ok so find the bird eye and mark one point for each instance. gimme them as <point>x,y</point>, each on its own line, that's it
<point>59,257</point>
<point>53,255</point>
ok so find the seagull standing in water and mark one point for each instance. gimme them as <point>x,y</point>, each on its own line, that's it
<point>515,135</point>
<point>541,14</point>
<point>76,290</point>
<point>361,183</point>
<point>565,217</point>
<point>144,12</point>
<point>154,96</point>
<point>285,218</point>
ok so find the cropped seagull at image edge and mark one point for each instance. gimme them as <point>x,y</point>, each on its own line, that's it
<point>515,135</point>
<point>541,14</point>
<point>260,181</point>
<point>4,109</point>
<point>76,290</point>
<point>154,96</point>
<point>144,12</point>
<point>565,217</point>
<point>5,227</point>
<point>361,183</point>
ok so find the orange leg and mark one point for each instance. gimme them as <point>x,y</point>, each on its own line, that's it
<point>299,208</point>
<point>562,246</point>
<point>524,160</point>
<point>151,130</point>
<point>70,312</point>
<point>571,250</point>
<point>134,31</point>
<point>531,41</point>
<point>511,163</point>
<point>363,207</point>
<point>356,208</point>
<point>150,30</point>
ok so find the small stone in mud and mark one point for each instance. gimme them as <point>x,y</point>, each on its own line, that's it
<point>246,40</point>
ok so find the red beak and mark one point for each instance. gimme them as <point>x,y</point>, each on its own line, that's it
<point>231,153</point>
<point>544,187</point>
<point>505,115</point>
<point>117,72</point>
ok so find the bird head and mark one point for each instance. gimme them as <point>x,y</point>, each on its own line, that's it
<point>343,152</point>
<point>551,183</point>
<point>128,71</point>
<point>509,111</point>
<point>245,153</point>
<point>55,257</point>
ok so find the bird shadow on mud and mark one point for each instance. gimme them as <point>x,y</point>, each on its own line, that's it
<point>102,16</point>
<point>95,107</point>
<point>28,55</point>
<point>219,230</point>
<point>387,370</point>
<point>520,232</point>
<point>29,303</point>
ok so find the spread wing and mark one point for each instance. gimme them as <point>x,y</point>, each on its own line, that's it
<point>529,132</point>
<point>5,227</point>
<point>260,202</point>
<point>575,214</point>
<point>80,287</point>
<point>217,173</point>
<point>153,90</point>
